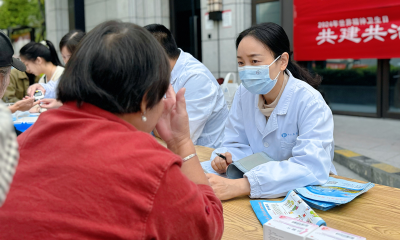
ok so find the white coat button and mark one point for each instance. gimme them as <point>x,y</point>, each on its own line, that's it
<point>266,144</point>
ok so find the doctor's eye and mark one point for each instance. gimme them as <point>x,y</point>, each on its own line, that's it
<point>240,63</point>
<point>255,61</point>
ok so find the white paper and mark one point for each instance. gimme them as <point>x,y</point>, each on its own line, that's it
<point>208,169</point>
<point>227,18</point>
<point>26,120</point>
<point>209,24</point>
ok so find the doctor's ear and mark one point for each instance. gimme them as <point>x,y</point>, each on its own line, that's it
<point>284,61</point>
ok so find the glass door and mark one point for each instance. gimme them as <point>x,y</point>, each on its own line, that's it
<point>186,26</point>
<point>391,88</point>
<point>350,86</point>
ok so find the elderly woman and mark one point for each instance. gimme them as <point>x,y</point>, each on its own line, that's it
<point>8,141</point>
<point>91,170</point>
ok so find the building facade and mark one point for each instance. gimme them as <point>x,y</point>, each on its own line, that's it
<point>363,87</point>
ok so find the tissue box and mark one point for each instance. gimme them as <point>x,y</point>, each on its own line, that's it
<point>286,228</point>
<point>326,233</point>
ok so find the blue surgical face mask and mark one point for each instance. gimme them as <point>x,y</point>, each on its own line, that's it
<point>256,79</point>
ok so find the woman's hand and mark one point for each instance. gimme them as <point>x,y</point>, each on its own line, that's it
<point>35,109</point>
<point>173,125</point>
<point>23,105</point>
<point>31,90</point>
<point>50,103</point>
<point>220,165</point>
<point>225,188</point>
<point>173,128</point>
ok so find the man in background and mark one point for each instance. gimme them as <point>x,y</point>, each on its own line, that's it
<point>205,101</point>
<point>8,142</point>
<point>18,86</point>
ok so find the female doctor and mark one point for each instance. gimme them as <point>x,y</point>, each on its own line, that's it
<point>276,110</point>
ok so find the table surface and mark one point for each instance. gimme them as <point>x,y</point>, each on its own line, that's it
<point>373,215</point>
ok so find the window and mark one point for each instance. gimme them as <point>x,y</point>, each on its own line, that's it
<point>349,85</point>
<point>267,11</point>
<point>394,85</point>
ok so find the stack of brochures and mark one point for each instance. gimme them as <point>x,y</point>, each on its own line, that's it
<point>334,193</point>
<point>292,206</point>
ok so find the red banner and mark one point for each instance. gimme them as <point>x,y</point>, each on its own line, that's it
<point>336,29</point>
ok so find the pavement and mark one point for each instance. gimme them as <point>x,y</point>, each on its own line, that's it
<point>368,149</point>
<point>345,172</point>
<point>376,138</point>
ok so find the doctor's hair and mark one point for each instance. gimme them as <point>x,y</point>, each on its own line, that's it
<point>33,50</point>
<point>71,40</point>
<point>116,67</point>
<point>165,38</point>
<point>274,37</point>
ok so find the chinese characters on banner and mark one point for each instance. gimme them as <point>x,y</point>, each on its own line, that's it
<point>350,30</point>
<point>346,29</point>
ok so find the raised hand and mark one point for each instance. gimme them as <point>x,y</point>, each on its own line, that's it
<point>173,125</point>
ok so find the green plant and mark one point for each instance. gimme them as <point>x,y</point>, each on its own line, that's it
<point>349,77</point>
<point>14,13</point>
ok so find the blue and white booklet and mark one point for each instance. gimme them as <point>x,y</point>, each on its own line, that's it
<point>335,192</point>
<point>292,206</point>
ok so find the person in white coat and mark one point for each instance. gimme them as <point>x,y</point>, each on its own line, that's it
<point>276,110</point>
<point>205,102</point>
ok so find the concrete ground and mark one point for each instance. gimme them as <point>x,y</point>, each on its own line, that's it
<point>345,172</point>
<point>375,138</point>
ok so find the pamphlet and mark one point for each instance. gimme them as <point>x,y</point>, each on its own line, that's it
<point>292,206</point>
<point>318,204</point>
<point>335,192</point>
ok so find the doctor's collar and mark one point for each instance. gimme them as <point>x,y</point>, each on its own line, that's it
<point>178,67</point>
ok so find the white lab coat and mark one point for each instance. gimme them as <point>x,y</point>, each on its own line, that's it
<point>299,130</point>
<point>205,102</point>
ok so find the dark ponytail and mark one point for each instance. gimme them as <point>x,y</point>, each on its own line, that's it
<point>53,54</point>
<point>274,37</point>
<point>33,50</point>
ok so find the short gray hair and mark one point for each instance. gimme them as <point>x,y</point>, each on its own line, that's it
<point>4,72</point>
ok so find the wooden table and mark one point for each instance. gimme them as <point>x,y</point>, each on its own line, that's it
<point>373,215</point>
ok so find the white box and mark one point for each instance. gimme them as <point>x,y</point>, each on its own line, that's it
<point>286,228</point>
<point>326,233</point>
